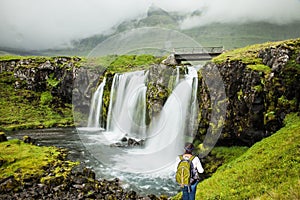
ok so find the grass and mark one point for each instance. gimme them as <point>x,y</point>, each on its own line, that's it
<point>24,161</point>
<point>122,63</point>
<point>270,169</point>
<point>249,54</point>
<point>220,156</point>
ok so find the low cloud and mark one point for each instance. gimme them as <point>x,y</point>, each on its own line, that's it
<point>237,11</point>
<point>42,24</point>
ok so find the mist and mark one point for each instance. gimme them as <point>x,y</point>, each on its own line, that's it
<point>239,12</point>
<point>44,24</point>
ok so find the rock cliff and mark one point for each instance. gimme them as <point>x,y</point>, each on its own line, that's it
<point>261,88</point>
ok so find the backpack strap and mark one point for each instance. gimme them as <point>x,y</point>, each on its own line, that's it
<point>181,157</point>
<point>192,158</point>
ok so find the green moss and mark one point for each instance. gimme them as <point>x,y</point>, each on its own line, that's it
<point>122,63</point>
<point>52,81</point>
<point>10,57</point>
<point>35,61</point>
<point>46,98</point>
<point>24,109</point>
<point>258,88</point>
<point>249,54</point>
<point>240,94</point>
<point>269,169</point>
<point>260,68</point>
<point>23,160</point>
<point>125,63</point>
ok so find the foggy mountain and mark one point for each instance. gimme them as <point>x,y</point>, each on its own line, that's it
<point>49,29</point>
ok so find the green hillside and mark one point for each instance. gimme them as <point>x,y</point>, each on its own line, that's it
<point>229,35</point>
<point>270,169</point>
<point>239,35</point>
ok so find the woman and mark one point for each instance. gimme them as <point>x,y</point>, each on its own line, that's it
<point>188,192</point>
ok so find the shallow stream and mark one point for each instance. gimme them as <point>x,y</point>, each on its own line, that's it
<point>151,182</point>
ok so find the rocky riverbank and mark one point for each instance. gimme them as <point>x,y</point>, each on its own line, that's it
<point>60,178</point>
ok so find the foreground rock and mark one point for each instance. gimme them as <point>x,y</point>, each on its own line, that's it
<point>126,142</point>
<point>78,185</point>
<point>59,180</point>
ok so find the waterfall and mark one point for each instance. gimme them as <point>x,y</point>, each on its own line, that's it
<point>164,136</point>
<point>127,109</point>
<point>168,130</point>
<point>96,107</point>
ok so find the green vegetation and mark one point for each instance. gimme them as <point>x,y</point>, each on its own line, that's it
<point>221,156</point>
<point>46,98</point>
<point>229,35</point>
<point>260,68</point>
<point>24,109</point>
<point>233,36</point>
<point>122,63</point>
<point>52,81</point>
<point>7,57</point>
<point>249,54</point>
<point>25,161</point>
<point>270,169</point>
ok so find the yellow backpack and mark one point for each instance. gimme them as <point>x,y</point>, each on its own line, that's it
<point>184,171</point>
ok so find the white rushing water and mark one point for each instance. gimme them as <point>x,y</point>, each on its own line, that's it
<point>127,109</point>
<point>94,120</point>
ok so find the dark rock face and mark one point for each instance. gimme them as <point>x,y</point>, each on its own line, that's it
<point>64,77</point>
<point>83,85</point>
<point>55,74</point>
<point>258,100</point>
<point>2,137</point>
<point>60,75</point>
<point>160,84</point>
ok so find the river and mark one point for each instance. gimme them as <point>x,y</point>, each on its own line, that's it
<point>160,183</point>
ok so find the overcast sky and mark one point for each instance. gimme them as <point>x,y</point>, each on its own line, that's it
<point>42,24</point>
